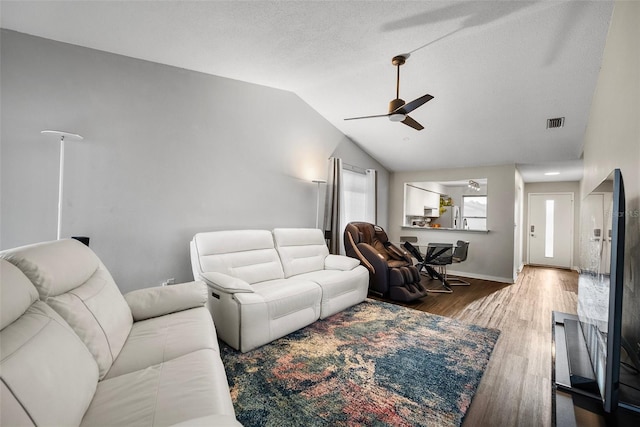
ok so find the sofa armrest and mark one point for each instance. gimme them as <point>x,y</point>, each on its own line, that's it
<point>158,301</point>
<point>225,283</point>
<point>340,262</point>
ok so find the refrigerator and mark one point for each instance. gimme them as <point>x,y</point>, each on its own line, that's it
<point>450,218</point>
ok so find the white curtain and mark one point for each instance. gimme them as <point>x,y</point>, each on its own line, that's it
<point>351,196</point>
<point>333,209</point>
<point>359,189</point>
<point>354,189</point>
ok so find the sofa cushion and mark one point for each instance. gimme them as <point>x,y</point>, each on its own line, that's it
<point>276,308</point>
<point>41,357</point>
<point>71,279</point>
<point>11,411</point>
<point>16,294</point>
<point>340,289</point>
<point>301,249</point>
<point>164,338</point>
<point>286,296</point>
<point>246,254</point>
<point>40,262</point>
<point>185,388</point>
<point>335,282</point>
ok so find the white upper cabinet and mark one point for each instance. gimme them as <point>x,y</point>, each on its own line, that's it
<point>417,200</point>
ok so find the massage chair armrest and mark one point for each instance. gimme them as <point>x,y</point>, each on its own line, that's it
<point>225,283</point>
<point>379,280</point>
<point>374,259</point>
<point>340,262</point>
<point>398,253</point>
<point>159,301</point>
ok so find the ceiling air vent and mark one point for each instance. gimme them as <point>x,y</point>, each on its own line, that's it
<point>555,123</point>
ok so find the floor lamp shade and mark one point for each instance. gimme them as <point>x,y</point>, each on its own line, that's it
<point>62,136</point>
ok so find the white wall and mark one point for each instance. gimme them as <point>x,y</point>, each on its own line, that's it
<point>554,187</point>
<point>612,140</point>
<point>167,153</point>
<point>520,225</point>
<point>491,255</point>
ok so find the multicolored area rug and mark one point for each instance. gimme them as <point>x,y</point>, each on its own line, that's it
<point>372,364</point>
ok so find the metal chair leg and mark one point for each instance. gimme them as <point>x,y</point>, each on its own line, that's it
<point>454,280</point>
<point>436,275</point>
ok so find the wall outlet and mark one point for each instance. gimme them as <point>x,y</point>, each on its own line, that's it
<point>171,281</point>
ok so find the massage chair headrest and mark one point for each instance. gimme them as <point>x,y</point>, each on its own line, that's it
<point>363,232</point>
<point>380,234</point>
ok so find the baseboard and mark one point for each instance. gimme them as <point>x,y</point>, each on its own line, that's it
<point>573,267</point>
<point>508,280</point>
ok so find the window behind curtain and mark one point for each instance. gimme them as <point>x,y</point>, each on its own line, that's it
<point>474,212</point>
<point>358,196</point>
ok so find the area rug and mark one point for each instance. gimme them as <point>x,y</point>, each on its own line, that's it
<point>373,364</point>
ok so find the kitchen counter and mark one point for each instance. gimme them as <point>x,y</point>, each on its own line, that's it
<point>461,230</point>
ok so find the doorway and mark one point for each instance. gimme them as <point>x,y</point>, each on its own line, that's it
<point>550,229</point>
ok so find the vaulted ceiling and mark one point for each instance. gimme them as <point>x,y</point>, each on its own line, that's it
<point>497,69</point>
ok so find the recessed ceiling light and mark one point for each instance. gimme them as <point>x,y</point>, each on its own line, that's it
<point>552,173</point>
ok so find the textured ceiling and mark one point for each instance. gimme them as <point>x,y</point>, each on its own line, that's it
<point>497,69</point>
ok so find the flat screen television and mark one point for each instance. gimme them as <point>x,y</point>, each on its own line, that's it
<point>600,283</point>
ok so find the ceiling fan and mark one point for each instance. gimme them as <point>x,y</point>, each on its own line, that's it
<point>398,109</point>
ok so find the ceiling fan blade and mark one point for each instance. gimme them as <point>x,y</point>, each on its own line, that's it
<point>409,107</point>
<point>412,123</point>
<point>367,117</point>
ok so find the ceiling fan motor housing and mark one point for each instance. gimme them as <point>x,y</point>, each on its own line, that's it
<point>394,104</point>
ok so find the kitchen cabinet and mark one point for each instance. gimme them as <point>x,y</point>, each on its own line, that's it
<point>414,201</point>
<point>417,200</point>
<point>432,213</point>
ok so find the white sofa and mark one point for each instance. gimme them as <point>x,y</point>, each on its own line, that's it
<point>75,351</point>
<point>264,285</point>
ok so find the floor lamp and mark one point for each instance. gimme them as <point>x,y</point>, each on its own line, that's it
<point>69,136</point>
<point>318,181</point>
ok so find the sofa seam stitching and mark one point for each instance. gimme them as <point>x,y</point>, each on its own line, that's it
<point>19,401</point>
<point>106,337</point>
<point>155,403</point>
<point>10,356</point>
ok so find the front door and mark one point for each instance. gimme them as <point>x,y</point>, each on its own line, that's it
<point>550,229</point>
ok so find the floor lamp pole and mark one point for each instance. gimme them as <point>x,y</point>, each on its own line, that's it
<point>60,187</point>
<point>318,181</point>
<point>62,136</point>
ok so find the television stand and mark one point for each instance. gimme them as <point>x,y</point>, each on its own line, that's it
<point>576,405</point>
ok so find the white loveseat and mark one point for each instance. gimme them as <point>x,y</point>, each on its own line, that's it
<point>75,351</point>
<point>264,285</point>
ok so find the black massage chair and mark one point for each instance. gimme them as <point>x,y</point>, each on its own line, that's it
<point>391,271</point>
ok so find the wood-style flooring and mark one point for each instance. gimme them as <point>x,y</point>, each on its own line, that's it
<point>516,387</point>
